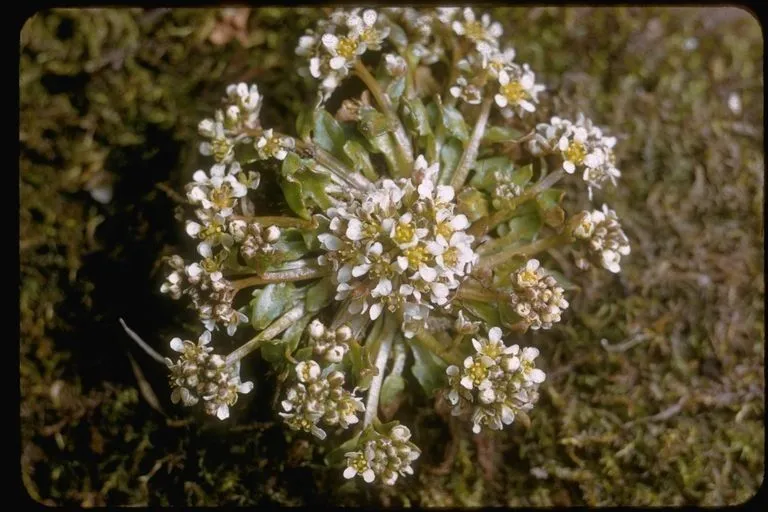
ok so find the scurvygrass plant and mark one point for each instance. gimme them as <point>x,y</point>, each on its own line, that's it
<point>423,210</point>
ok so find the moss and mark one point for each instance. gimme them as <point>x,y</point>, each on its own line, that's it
<point>673,416</point>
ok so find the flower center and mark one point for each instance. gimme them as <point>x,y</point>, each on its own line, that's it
<point>575,152</point>
<point>416,255</point>
<point>474,30</point>
<point>346,47</point>
<point>514,92</point>
<point>404,233</point>
<point>478,373</point>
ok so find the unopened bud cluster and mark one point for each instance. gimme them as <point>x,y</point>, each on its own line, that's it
<point>317,400</point>
<point>331,345</point>
<point>198,373</point>
<point>536,296</point>
<point>603,238</point>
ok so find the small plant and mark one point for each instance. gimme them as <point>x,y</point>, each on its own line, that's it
<point>423,209</point>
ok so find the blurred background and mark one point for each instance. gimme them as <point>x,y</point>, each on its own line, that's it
<point>655,389</point>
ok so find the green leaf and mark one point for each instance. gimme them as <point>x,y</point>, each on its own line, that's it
<point>360,159</point>
<point>395,89</point>
<point>300,184</point>
<point>525,227</point>
<point>336,456</point>
<point>485,169</point>
<point>472,203</point>
<point>501,134</point>
<point>294,196</point>
<point>450,154</point>
<point>292,335</point>
<point>416,117</point>
<point>273,352</point>
<point>320,294</point>
<point>454,123</point>
<point>303,354</point>
<point>328,134</point>
<point>428,369</point>
<point>548,203</point>
<point>489,313</point>
<point>393,385</point>
<point>269,303</point>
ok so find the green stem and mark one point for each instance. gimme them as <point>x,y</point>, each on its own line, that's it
<point>487,262</point>
<point>277,276</point>
<point>470,152</point>
<point>401,137</point>
<point>267,334</point>
<point>282,222</point>
<point>475,292</point>
<point>430,343</point>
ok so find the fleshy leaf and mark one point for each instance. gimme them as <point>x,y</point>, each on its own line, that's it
<point>320,294</point>
<point>269,303</point>
<point>428,369</point>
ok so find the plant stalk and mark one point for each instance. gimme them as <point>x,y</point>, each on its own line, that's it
<point>488,262</point>
<point>267,334</point>
<point>470,152</point>
<point>372,401</point>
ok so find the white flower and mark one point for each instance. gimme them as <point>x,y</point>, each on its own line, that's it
<point>518,91</point>
<point>495,383</point>
<point>478,31</point>
<point>272,146</point>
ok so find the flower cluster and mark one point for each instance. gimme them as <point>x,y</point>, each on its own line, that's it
<point>410,214</point>
<point>604,238</point>
<point>383,456</point>
<point>401,247</point>
<point>515,85</point>
<point>329,344</point>
<point>583,147</point>
<point>495,383</point>
<point>536,296</point>
<point>225,130</point>
<point>316,398</point>
<point>331,55</point>
<point>198,373</point>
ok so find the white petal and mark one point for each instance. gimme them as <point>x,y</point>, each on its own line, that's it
<point>177,345</point>
<point>375,310</point>
<point>428,274</point>
<point>349,472</point>
<point>569,167</point>
<point>494,334</point>
<point>222,412</point>
<point>337,63</point>
<point>368,475</point>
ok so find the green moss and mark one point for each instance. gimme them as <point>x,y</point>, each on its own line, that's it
<point>673,417</point>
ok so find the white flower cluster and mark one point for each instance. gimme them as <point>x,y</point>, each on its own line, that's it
<point>316,399</point>
<point>495,383</point>
<point>583,147</point>
<point>536,296</point>
<point>386,457</point>
<point>226,129</point>
<point>210,292</point>
<point>401,247</point>
<point>331,55</point>
<point>604,237</point>
<point>517,90</point>
<point>199,374</point>
<point>330,344</point>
